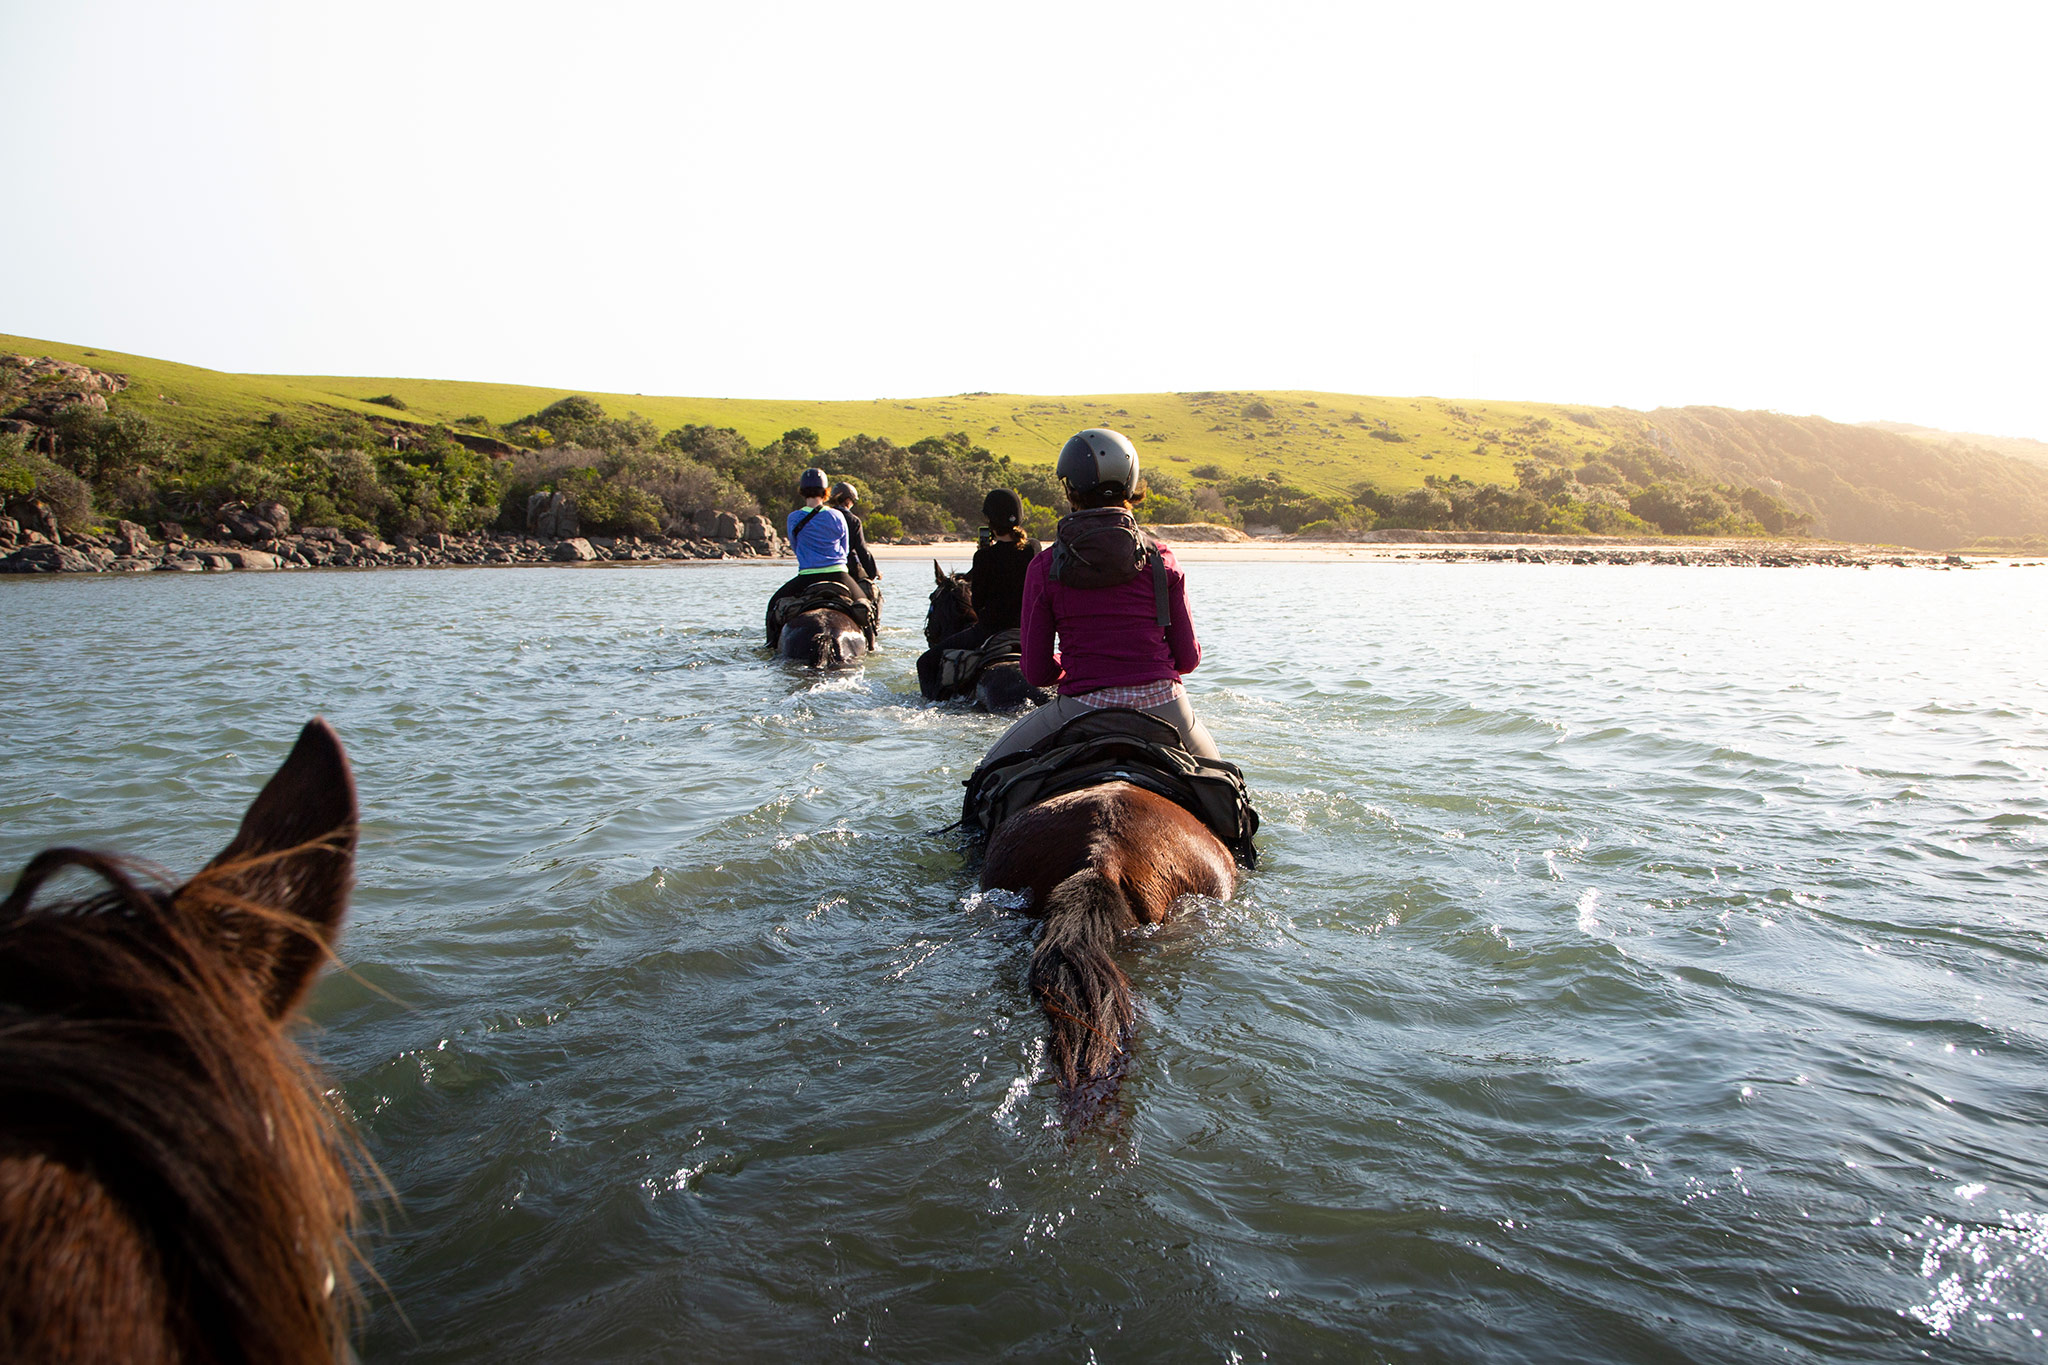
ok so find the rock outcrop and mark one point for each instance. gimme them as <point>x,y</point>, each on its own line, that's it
<point>552,516</point>
<point>240,522</point>
<point>34,389</point>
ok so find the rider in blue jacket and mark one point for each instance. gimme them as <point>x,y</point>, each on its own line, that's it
<point>818,534</point>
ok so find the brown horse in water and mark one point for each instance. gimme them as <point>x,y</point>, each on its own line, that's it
<point>173,1186</point>
<point>1097,862</point>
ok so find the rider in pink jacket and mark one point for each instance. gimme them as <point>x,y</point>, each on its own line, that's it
<point>1105,614</point>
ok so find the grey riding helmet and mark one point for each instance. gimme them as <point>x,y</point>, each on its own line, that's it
<point>843,489</point>
<point>812,484</point>
<point>1098,460</point>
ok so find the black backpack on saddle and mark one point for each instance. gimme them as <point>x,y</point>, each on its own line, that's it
<point>1116,744</point>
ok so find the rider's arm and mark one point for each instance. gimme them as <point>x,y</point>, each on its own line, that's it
<point>857,547</point>
<point>1180,627</point>
<point>1041,666</point>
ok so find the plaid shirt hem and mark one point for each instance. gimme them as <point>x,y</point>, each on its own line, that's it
<point>1137,696</point>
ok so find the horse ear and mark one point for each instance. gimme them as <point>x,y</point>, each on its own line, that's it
<point>292,859</point>
<point>938,574</point>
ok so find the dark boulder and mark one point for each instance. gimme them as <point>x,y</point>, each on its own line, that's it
<point>50,559</point>
<point>552,516</point>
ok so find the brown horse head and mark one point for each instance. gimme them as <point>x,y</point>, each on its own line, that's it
<point>173,1186</point>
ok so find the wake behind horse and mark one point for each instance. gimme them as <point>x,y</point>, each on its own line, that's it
<point>1098,862</point>
<point>173,1185</point>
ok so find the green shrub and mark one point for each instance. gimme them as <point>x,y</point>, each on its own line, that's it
<point>317,509</point>
<point>1041,523</point>
<point>618,509</point>
<point>580,421</point>
<point>25,473</point>
<point>389,400</point>
<point>882,526</point>
<point>17,467</point>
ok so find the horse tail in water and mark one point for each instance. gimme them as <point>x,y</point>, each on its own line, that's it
<point>1089,1010</point>
<point>824,649</point>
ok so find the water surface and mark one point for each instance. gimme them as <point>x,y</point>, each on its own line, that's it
<point>1644,964</point>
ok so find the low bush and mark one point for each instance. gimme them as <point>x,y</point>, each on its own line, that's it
<point>27,474</point>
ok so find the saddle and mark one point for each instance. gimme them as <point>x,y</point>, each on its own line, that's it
<point>826,595</point>
<point>1116,744</point>
<point>959,669</point>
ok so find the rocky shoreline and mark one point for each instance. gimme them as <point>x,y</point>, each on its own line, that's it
<point>258,539</point>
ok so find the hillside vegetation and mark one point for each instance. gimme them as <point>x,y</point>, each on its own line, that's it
<point>406,455</point>
<point>2019,447</point>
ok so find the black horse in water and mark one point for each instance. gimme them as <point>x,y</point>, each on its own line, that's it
<point>1000,685</point>
<point>823,638</point>
<point>827,624</point>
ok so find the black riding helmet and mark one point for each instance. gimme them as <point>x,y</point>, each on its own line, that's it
<point>843,489</point>
<point>812,484</point>
<point>1003,509</point>
<point>1098,460</point>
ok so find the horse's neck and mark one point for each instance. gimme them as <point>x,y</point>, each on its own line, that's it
<point>91,1286</point>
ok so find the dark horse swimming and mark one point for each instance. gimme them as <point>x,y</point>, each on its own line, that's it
<point>996,680</point>
<point>822,636</point>
<point>173,1186</point>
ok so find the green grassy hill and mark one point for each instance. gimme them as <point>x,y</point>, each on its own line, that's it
<point>1319,441</point>
<point>1850,481</point>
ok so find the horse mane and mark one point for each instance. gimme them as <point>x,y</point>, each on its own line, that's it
<point>173,1185</point>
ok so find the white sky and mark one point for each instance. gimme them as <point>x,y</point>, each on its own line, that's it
<point>1833,209</point>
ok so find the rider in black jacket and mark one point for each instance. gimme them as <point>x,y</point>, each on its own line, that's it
<point>996,579</point>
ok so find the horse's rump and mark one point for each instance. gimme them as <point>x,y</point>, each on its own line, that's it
<point>1115,744</point>
<point>823,637</point>
<point>1097,862</point>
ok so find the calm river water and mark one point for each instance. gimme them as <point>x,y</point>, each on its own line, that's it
<point>1645,964</point>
